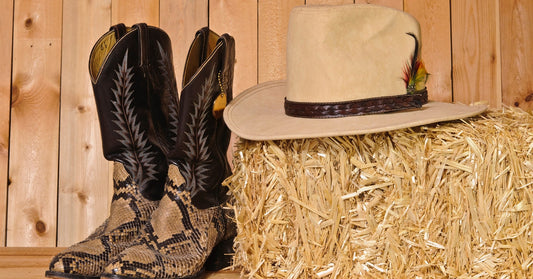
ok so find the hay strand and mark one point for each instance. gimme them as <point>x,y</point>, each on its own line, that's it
<point>447,200</point>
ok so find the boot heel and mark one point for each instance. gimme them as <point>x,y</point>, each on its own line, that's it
<point>221,256</point>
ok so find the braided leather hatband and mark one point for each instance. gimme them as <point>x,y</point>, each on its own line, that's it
<point>357,107</point>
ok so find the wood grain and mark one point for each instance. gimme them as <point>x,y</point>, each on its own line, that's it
<point>434,19</point>
<point>25,263</point>
<point>476,52</point>
<point>84,192</point>
<point>273,21</point>
<point>181,19</point>
<point>397,4</point>
<point>239,19</point>
<point>516,18</point>
<point>6,37</point>
<point>129,12</point>
<point>328,2</point>
<point>33,166</point>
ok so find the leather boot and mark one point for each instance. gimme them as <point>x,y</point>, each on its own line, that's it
<point>132,76</point>
<point>188,232</point>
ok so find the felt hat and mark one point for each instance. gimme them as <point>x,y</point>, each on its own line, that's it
<point>351,69</point>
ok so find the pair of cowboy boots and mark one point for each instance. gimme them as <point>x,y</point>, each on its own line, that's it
<point>169,154</point>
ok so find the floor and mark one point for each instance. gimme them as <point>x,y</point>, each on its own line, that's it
<point>31,263</point>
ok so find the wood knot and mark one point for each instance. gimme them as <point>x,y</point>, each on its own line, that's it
<point>86,147</point>
<point>492,58</point>
<point>21,83</point>
<point>529,97</point>
<point>81,108</point>
<point>15,94</point>
<point>28,23</point>
<point>83,197</point>
<point>40,227</point>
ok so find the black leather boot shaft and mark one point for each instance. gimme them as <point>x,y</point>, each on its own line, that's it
<point>133,81</point>
<point>203,137</point>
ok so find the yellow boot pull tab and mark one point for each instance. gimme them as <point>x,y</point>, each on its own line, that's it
<point>220,102</point>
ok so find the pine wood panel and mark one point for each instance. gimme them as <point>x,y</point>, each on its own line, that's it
<point>397,4</point>
<point>130,13</point>
<point>239,19</point>
<point>476,51</point>
<point>328,2</point>
<point>33,162</point>
<point>25,263</point>
<point>181,19</point>
<point>84,192</point>
<point>273,20</point>
<point>6,37</point>
<point>434,18</point>
<point>516,18</point>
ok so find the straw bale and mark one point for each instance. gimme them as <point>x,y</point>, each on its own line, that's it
<point>447,200</point>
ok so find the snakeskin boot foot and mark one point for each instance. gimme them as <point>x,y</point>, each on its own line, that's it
<point>188,232</point>
<point>129,212</point>
<point>131,72</point>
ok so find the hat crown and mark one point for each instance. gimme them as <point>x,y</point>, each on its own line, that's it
<point>347,53</point>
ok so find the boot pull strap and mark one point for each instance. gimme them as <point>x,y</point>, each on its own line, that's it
<point>202,35</point>
<point>225,75</point>
<point>119,29</point>
<point>143,45</point>
<point>228,62</point>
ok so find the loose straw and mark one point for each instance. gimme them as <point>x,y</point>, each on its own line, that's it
<point>452,199</point>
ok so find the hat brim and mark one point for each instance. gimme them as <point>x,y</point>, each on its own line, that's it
<point>258,114</point>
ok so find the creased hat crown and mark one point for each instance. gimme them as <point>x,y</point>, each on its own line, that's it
<point>344,53</point>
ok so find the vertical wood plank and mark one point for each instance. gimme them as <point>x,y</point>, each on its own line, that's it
<point>83,172</point>
<point>181,19</point>
<point>131,12</point>
<point>328,2</point>
<point>476,51</point>
<point>434,19</point>
<point>239,19</point>
<point>6,37</point>
<point>273,20</point>
<point>33,163</point>
<point>397,4</point>
<point>516,19</point>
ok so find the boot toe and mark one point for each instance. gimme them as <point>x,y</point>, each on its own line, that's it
<point>73,263</point>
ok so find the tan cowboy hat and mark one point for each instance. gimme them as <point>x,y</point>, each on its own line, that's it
<point>352,69</point>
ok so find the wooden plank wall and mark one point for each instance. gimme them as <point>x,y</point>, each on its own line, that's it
<point>55,184</point>
<point>6,36</point>
<point>34,132</point>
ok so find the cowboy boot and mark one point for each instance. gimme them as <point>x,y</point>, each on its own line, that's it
<point>131,74</point>
<point>189,232</point>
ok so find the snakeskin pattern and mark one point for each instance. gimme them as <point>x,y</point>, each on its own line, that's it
<point>130,211</point>
<point>176,242</point>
